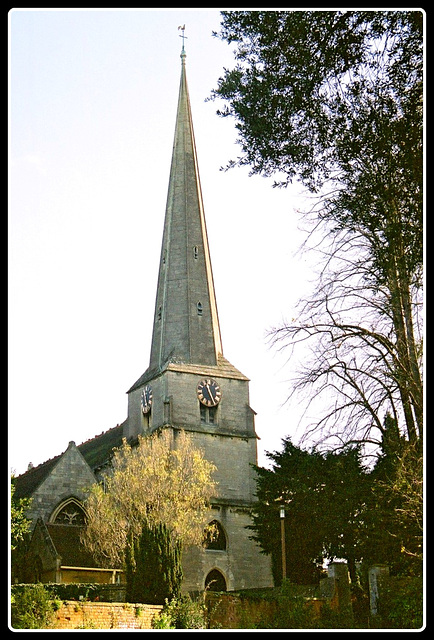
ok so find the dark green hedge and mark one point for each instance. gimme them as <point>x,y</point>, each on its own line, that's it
<point>73,591</point>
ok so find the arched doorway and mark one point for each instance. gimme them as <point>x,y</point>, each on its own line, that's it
<point>215,581</point>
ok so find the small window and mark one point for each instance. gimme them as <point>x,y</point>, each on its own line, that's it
<point>159,313</point>
<point>203,413</point>
<point>146,422</point>
<point>199,308</point>
<point>208,415</point>
<point>195,252</point>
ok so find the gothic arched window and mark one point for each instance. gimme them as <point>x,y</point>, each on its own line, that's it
<point>215,538</point>
<point>69,512</point>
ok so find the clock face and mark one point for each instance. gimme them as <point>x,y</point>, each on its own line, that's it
<point>209,392</point>
<point>146,399</point>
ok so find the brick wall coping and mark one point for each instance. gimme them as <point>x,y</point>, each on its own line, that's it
<point>124,605</point>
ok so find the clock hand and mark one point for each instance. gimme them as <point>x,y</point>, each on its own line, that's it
<point>210,393</point>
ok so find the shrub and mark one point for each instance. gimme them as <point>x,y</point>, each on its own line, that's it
<point>400,604</point>
<point>75,590</point>
<point>31,607</point>
<point>181,613</point>
<point>294,610</point>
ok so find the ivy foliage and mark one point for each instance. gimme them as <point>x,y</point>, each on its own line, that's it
<point>20,525</point>
<point>401,603</point>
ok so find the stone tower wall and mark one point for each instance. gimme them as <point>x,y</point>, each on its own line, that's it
<point>241,564</point>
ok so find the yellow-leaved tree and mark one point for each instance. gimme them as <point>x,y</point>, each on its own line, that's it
<point>164,479</point>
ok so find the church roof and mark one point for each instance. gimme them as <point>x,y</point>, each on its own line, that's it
<point>26,483</point>
<point>96,451</point>
<point>66,541</point>
<point>223,369</point>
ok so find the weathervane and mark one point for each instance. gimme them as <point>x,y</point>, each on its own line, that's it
<point>183,36</point>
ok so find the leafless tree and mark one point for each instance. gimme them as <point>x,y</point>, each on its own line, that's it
<point>364,345</point>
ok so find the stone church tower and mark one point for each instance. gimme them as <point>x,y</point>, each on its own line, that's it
<point>189,384</point>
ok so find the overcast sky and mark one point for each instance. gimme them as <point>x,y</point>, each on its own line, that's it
<point>93,97</point>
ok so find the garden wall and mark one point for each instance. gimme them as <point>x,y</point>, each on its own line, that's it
<point>105,615</point>
<point>296,604</point>
<point>244,611</point>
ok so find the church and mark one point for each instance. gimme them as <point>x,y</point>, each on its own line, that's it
<point>188,385</point>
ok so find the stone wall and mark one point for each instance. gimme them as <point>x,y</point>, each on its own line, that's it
<point>231,611</point>
<point>246,610</point>
<point>105,615</point>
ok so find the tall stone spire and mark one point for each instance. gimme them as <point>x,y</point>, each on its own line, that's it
<point>186,326</point>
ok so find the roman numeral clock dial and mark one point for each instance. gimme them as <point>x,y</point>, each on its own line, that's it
<point>208,392</point>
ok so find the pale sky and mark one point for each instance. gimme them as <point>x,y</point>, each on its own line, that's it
<point>93,98</point>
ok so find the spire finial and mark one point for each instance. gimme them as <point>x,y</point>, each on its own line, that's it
<point>183,36</point>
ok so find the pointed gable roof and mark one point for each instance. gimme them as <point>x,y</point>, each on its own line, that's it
<point>27,483</point>
<point>96,452</point>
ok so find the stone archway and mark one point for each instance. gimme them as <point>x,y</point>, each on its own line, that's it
<point>215,581</point>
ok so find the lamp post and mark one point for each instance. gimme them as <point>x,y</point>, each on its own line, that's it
<point>282,533</point>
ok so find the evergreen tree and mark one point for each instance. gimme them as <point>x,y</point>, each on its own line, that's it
<point>323,495</point>
<point>335,99</point>
<point>153,566</point>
